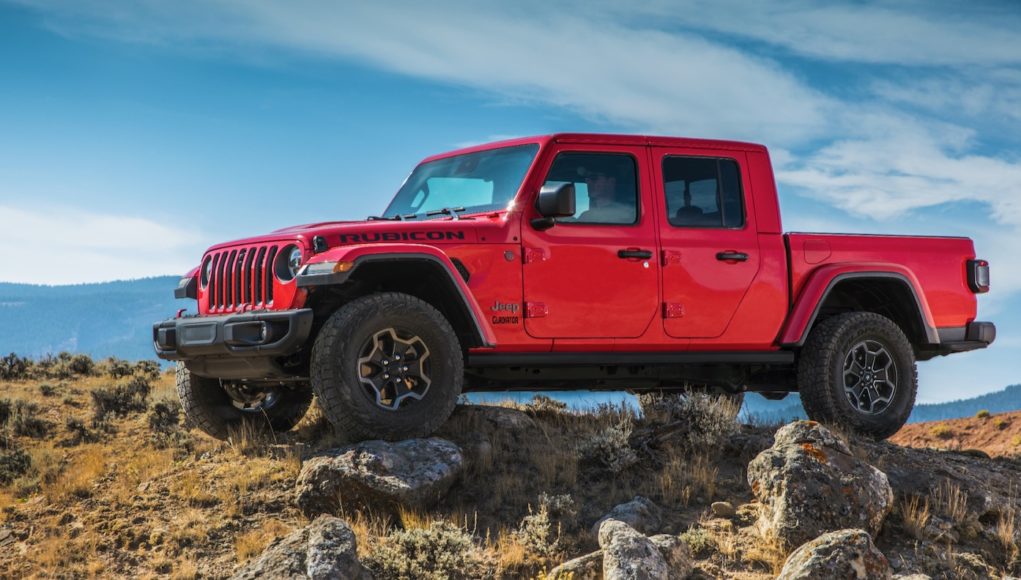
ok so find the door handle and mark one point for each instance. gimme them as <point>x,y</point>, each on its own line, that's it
<point>731,256</point>
<point>634,254</point>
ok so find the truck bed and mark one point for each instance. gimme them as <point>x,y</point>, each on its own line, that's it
<point>937,265</point>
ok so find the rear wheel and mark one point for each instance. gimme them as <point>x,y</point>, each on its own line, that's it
<point>858,370</point>
<point>387,366</point>
<point>219,408</point>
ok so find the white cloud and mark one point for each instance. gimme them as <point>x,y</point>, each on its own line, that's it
<point>66,245</point>
<point>930,33</point>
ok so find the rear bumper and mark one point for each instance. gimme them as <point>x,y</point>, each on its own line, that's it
<point>974,336</point>
<point>234,346</point>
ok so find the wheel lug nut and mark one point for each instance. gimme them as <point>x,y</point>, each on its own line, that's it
<point>405,369</point>
<point>397,357</point>
<point>386,362</point>
<point>386,376</point>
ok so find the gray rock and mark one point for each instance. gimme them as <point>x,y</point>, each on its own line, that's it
<point>640,513</point>
<point>628,555</point>
<point>587,567</point>
<point>723,509</point>
<point>323,549</point>
<point>379,474</point>
<point>676,554</point>
<point>840,554</point>
<point>809,483</point>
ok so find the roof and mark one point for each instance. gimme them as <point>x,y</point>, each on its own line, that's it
<point>608,139</point>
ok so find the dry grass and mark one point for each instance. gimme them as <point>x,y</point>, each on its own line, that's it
<point>1007,533</point>
<point>79,477</point>
<point>951,501</point>
<point>915,516</point>
<point>942,431</point>
<point>253,542</point>
<point>684,477</point>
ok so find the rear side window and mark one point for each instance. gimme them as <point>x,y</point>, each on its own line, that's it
<point>703,192</point>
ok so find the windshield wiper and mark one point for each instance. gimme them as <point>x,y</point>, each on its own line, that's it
<point>397,218</point>
<point>451,211</point>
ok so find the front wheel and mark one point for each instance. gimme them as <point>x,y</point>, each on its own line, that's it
<point>858,370</point>
<point>219,408</point>
<point>387,366</point>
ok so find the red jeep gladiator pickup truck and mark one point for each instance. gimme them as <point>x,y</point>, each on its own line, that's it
<point>561,262</point>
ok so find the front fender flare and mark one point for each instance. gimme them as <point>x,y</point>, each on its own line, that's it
<point>359,255</point>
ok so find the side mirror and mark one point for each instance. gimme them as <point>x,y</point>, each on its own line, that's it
<point>556,201</point>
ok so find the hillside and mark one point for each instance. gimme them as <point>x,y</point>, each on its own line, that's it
<point>998,434</point>
<point>108,319</point>
<point>99,477</point>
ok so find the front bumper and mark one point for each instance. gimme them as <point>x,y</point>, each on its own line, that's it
<point>234,346</point>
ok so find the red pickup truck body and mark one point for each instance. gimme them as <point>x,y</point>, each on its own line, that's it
<point>732,305</point>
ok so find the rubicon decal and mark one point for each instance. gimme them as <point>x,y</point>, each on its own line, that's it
<point>417,236</point>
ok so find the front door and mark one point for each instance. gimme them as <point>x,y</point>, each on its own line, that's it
<point>595,274</point>
<point>710,247</point>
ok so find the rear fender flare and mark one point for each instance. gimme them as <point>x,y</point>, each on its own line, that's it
<point>825,279</point>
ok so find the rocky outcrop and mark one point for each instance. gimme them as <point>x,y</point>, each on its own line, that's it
<point>840,554</point>
<point>628,555</point>
<point>379,475</point>
<point>323,549</point>
<point>676,554</point>
<point>809,483</point>
<point>587,567</point>
<point>640,513</point>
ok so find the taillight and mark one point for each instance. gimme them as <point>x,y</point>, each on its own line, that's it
<point>978,276</point>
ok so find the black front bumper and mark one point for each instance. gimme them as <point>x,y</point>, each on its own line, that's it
<point>234,346</point>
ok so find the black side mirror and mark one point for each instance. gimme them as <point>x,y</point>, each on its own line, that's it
<point>556,201</point>
<point>553,202</point>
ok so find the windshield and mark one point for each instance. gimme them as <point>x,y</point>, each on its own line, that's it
<point>473,182</point>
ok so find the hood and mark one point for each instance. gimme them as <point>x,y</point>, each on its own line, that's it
<point>340,233</point>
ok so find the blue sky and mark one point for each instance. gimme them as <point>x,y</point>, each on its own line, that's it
<point>136,134</point>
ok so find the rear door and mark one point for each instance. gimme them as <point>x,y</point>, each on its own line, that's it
<point>595,274</point>
<point>710,252</point>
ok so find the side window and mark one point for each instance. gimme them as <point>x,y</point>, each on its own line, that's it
<point>703,192</point>
<point>606,186</point>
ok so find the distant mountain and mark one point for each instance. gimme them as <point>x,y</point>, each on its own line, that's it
<point>111,318</point>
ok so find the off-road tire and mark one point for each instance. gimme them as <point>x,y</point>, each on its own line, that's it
<point>821,373</point>
<point>208,406</point>
<point>335,368</point>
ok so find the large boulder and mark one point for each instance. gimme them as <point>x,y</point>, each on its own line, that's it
<point>676,554</point>
<point>587,567</point>
<point>323,549</point>
<point>809,483</point>
<point>840,554</point>
<point>629,555</point>
<point>640,513</point>
<point>379,474</point>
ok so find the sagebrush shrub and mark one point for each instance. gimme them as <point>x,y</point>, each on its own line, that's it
<point>79,433</point>
<point>610,446</point>
<point>118,368</point>
<point>149,369</point>
<point>440,551</point>
<point>542,404</point>
<point>14,367</point>
<point>22,418</point>
<point>165,416</point>
<point>540,531</point>
<point>120,400</point>
<point>13,464</point>
<point>711,419</point>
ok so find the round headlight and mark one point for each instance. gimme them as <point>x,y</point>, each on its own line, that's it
<point>207,271</point>
<point>288,263</point>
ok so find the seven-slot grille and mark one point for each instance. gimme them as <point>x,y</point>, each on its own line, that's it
<point>241,276</point>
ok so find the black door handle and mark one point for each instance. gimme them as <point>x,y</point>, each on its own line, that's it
<point>732,256</point>
<point>634,253</point>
